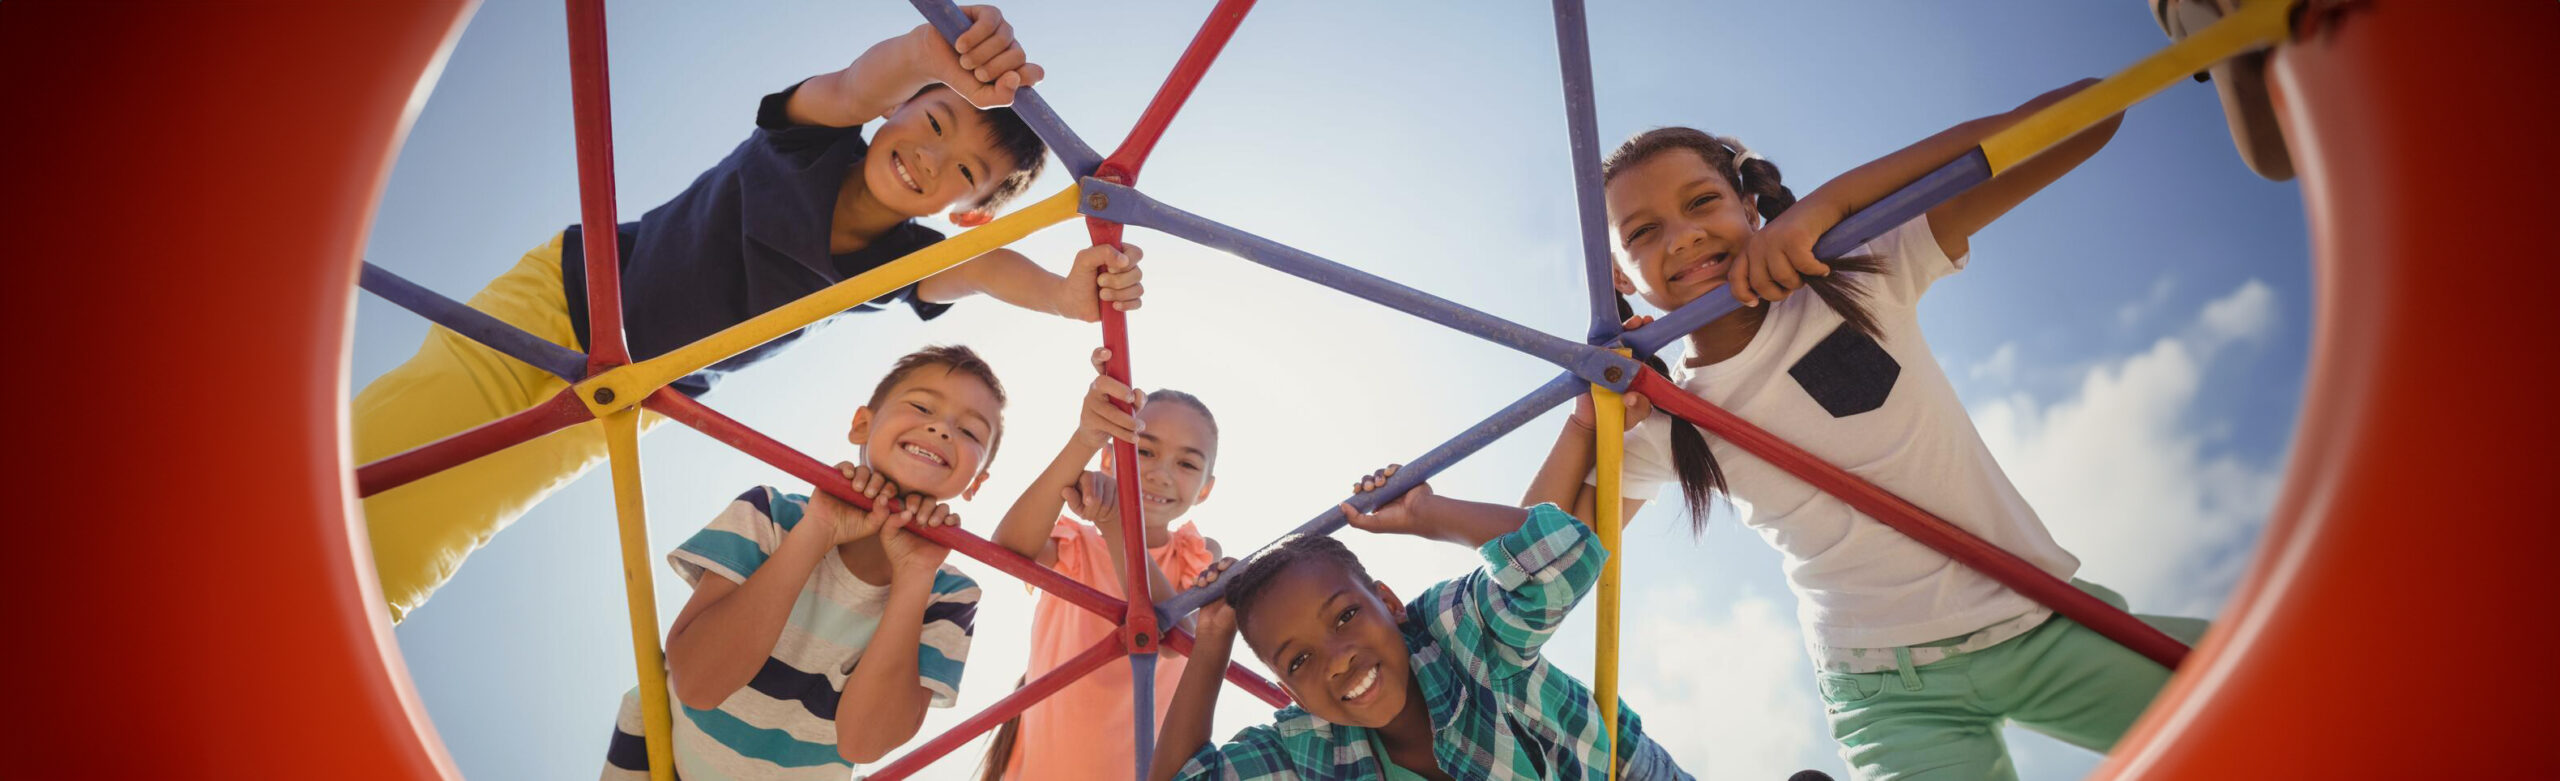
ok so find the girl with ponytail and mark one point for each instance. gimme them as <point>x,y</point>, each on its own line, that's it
<point>1845,374</point>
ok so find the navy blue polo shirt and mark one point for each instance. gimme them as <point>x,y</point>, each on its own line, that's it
<point>747,236</point>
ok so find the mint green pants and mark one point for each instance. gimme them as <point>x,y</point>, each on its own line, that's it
<point>1942,720</point>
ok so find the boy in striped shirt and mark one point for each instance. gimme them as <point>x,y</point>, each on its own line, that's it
<point>824,631</point>
<point>1449,686</point>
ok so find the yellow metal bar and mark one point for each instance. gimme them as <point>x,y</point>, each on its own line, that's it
<point>1609,418</point>
<point>622,444</point>
<point>2258,24</point>
<point>628,385</point>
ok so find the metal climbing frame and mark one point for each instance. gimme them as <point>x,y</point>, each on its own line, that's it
<point>609,387</point>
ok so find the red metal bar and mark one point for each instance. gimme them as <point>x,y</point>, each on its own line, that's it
<point>591,103</point>
<point>1138,627</point>
<point>1012,705</point>
<point>1123,164</point>
<point>683,409</point>
<point>399,469</point>
<point>1909,519</point>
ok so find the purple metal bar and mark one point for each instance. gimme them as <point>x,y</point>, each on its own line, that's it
<point>1063,141</point>
<point>1913,200</point>
<point>1573,52</point>
<point>1142,677</point>
<point>1121,204</point>
<point>473,324</point>
<point>1466,443</point>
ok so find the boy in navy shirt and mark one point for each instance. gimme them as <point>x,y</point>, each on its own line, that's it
<point>805,202</point>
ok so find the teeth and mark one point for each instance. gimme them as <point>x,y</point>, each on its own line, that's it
<point>898,164</point>
<point>1366,682</point>
<point>922,453</point>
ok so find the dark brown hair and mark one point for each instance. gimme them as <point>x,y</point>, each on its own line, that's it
<point>1016,141</point>
<point>1758,179</point>
<point>951,357</point>
<point>1247,581</point>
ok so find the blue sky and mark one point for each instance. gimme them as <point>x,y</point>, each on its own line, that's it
<point>2131,341</point>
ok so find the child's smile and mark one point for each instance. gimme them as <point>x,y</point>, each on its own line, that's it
<point>1333,641</point>
<point>932,433</point>
<point>1679,227</point>
<point>933,153</point>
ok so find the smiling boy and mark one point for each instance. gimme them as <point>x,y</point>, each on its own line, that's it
<point>824,631</point>
<point>1451,685</point>
<point>805,202</point>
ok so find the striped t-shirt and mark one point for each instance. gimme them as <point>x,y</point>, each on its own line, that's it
<point>781,725</point>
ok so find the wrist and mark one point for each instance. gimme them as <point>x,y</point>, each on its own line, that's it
<point>1588,427</point>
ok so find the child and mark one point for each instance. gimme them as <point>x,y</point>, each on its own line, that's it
<point>800,205</point>
<point>1919,659</point>
<point>1451,685</point>
<point>825,631</point>
<point>1177,444</point>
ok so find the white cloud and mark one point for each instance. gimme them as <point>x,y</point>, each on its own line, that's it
<point>1728,698</point>
<point>2001,367</point>
<point>2127,478</point>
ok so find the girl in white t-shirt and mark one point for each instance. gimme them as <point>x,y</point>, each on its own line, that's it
<point>1920,660</point>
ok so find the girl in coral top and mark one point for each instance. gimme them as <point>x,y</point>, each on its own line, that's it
<point>1177,444</point>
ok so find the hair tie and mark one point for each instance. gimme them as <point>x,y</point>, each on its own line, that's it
<point>1741,154</point>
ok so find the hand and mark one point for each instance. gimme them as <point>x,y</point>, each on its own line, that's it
<point>1095,497</point>
<point>1101,273</point>
<point>910,554</point>
<point>1215,620</point>
<point>846,521</point>
<point>1638,407</point>
<point>1780,255</point>
<point>1397,517</point>
<point>985,64</point>
<point>1103,421</point>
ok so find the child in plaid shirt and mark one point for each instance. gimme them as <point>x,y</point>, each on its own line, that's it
<point>1449,686</point>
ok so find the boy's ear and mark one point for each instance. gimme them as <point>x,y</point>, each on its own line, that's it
<point>971,218</point>
<point>861,432</point>
<point>971,492</point>
<point>1110,459</point>
<point>1395,606</point>
<point>1625,286</point>
<point>1205,485</point>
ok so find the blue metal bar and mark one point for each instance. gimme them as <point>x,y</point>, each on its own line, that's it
<point>1127,206</point>
<point>1063,141</point>
<point>1466,443</point>
<point>1573,51</point>
<point>1904,205</point>
<point>1142,677</point>
<point>473,324</point>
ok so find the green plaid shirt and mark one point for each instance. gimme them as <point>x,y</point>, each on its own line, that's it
<point>1498,708</point>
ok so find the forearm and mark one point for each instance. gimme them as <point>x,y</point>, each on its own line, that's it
<point>1467,523</point>
<point>1866,184</point>
<point>720,649</point>
<point>1003,274</point>
<point>883,703</point>
<point>876,82</point>
<point>1157,585</point>
<point>1187,721</point>
<point>1025,529</point>
<point>1559,480</point>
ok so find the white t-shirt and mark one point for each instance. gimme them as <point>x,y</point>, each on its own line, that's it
<point>1882,409</point>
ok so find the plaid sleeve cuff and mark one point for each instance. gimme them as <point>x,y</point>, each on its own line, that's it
<point>1549,545</point>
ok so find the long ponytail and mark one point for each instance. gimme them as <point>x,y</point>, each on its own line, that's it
<point>1701,478</point>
